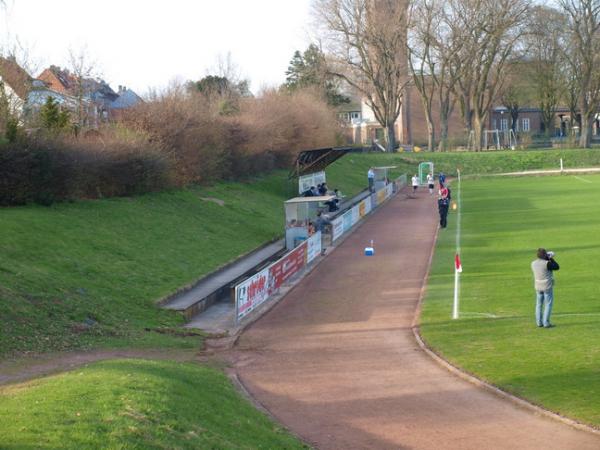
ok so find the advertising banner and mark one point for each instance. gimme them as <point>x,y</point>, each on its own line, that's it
<point>355,214</point>
<point>307,181</point>
<point>381,196</point>
<point>337,228</point>
<point>389,190</point>
<point>251,293</point>
<point>367,202</point>
<point>313,248</point>
<point>287,266</point>
<point>347,218</point>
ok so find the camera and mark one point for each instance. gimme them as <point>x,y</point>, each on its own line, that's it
<point>550,254</point>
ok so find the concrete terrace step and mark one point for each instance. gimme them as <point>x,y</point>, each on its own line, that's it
<point>190,301</point>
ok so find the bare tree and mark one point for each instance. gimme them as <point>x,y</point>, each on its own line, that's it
<point>491,32</point>
<point>421,59</point>
<point>584,26</point>
<point>545,40</point>
<point>367,40</point>
<point>83,70</point>
<point>435,44</point>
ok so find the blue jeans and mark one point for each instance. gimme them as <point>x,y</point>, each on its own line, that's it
<point>545,298</point>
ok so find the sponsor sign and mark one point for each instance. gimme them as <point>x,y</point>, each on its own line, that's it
<point>287,266</point>
<point>337,228</point>
<point>367,202</point>
<point>307,181</point>
<point>252,292</point>
<point>362,209</point>
<point>381,196</point>
<point>389,190</point>
<point>355,214</point>
<point>347,219</point>
<point>313,248</point>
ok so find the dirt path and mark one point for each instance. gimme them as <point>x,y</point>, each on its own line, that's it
<point>336,361</point>
<point>24,369</point>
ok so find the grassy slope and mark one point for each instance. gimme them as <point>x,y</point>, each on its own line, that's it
<point>88,274</point>
<point>480,163</point>
<point>135,404</point>
<point>110,261</point>
<point>504,221</point>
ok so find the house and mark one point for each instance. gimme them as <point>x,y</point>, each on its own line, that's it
<point>108,103</point>
<point>25,94</point>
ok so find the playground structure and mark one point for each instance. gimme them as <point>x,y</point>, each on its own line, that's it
<point>425,168</point>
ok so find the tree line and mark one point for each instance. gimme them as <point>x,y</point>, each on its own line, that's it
<point>465,55</point>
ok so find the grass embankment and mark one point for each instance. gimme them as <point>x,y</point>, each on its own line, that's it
<point>503,222</point>
<point>87,274</point>
<point>480,163</point>
<point>135,404</point>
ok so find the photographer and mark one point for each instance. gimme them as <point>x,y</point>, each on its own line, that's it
<point>543,268</point>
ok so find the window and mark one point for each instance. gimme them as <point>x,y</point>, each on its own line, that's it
<point>525,123</point>
<point>494,124</point>
<point>355,115</point>
<point>504,124</point>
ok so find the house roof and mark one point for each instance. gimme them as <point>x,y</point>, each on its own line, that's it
<point>310,161</point>
<point>126,99</point>
<point>16,77</point>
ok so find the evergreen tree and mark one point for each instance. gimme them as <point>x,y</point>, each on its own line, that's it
<point>52,117</point>
<point>309,69</point>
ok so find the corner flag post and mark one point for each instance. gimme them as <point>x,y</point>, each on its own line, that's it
<point>457,264</point>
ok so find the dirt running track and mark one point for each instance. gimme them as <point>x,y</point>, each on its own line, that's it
<point>337,363</point>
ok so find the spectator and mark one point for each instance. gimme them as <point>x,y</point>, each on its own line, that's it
<point>323,189</point>
<point>308,192</point>
<point>371,178</point>
<point>442,179</point>
<point>321,222</point>
<point>315,192</point>
<point>443,206</point>
<point>311,228</point>
<point>543,278</point>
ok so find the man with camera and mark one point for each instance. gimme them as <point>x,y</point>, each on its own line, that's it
<point>543,268</point>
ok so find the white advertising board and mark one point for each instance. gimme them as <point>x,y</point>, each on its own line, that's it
<point>313,179</point>
<point>314,247</point>
<point>252,292</point>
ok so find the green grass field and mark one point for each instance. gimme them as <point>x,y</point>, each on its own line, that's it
<point>88,274</point>
<point>504,221</point>
<point>135,404</point>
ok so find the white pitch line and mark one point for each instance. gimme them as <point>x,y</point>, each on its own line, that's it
<point>494,316</point>
<point>582,179</point>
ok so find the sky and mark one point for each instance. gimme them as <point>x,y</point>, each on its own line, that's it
<point>146,44</point>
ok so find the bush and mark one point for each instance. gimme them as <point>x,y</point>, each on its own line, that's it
<point>49,170</point>
<point>206,145</point>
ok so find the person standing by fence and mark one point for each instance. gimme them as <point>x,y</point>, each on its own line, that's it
<point>371,178</point>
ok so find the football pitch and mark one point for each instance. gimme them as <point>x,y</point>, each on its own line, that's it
<point>504,221</point>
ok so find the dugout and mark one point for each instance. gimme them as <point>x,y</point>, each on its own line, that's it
<point>299,211</point>
<point>381,176</point>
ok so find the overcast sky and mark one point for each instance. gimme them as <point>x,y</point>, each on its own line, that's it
<point>148,43</point>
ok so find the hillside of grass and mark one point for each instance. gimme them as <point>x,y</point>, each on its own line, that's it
<point>471,163</point>
<point>504,221</point>
<point>135,404</point>
<point>89,273</point>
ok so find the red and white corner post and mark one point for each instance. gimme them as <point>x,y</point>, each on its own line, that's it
<point>457,271</point>
<point>457,264</point>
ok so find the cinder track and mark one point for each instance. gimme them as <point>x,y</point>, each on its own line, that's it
<point>336,361</point>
